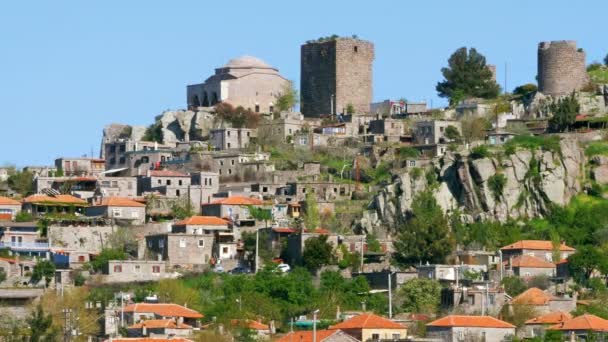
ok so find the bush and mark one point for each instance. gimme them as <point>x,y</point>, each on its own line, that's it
<point>525,89</point>
<point>513,285</point>
<point>596,148</point>
<point>408,153</point>
<point>594,66</point>
<point>480,152</point>
<point>23,216</point>
<point>531,142</point>
<point>497,183</point>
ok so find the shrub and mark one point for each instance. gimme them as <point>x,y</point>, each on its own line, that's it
<point>596,148</point>
<point>480,152</point>
<point>497,183</point>
<point>525,89</point>
<point>408,153</point>
<point>531,142</point>
<point>594,66</point>
<point>23,216</point>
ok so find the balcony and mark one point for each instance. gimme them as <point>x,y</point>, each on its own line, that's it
<point>25,245</point>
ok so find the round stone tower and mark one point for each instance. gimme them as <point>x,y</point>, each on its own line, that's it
<point>561,68</point>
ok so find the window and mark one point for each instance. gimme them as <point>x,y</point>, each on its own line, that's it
<point>257,107</point>
<point>271,109</point>
<point>123,148</point>
<point>205,181</point>
<point>122,160</point>
<point>229,171</point>
<point>112,161</point>
<point>81,258</point>
<point>182,243</point>
<point>225,250</point>
<point>396,336</point>
<point>137,268</point>
<point>356,48</point>
<point>117,268</point>
<point>161,243</point>
<point>112,149</point>
<point>201,243</point>
<point>221,162</point>
<point>248,134</point>
<point>232,162</point>
<point>116,212</point>
<point>160,181</point>
<point>265,189</point>
<point>168,182</point>
<point>114,184</point>
<point>155,269</point>
<point>375,337</point>
<point>177,193</point>
<point>228,133</point>
<point>180,182</point>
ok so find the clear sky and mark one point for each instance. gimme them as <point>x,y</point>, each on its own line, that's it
<point>67,68</point>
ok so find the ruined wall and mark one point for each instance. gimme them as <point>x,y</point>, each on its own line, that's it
<point>561,68</point>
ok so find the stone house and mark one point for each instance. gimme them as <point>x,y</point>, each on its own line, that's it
<point>368,326</point>
<point>296,243</point>
<point>80,166</point>
<point>579,328</point>
<point>119,209</point>
<point>10,267</point>
<point>125,271</point>
<point>536,248</point>
<point>23,239</point>
<point>324,190</point>
<point>456,328</point>
<point>235,208</point>
<point>390,129</point>
<point>79,241</point>
<point>168,328</point>
<point>432,132</point>
<point>535,327</point>
<point>261,330</point>
<point>83,187</point>
<point>181,250</point>
<point>527,266</point>
<point>231,138</point>
<point>40,205</point>
<point>135,313</point>
<point>321,336</point>
<point>388,108</point>
<point>473,299</point>
<point>225,246</point>
<point>169,183</point>
<point>244,81</point>
<point>139,162</point>
<point>498,137</point>
<point>204,185</point>
<point>286,125</point>
<point>116,152</point>
<point>117,187</point>
<point>543,302</point>
<point>9,208</point>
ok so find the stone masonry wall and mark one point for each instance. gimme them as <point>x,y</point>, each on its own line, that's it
<point>354,75</point>
<point>561,68</point>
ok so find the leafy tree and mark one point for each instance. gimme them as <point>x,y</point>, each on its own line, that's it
<point>497,183</point>
<point>287,99</point>
<point>154,132</point>
<point>24,216</point>
<point>174,291</point>
<point>420,296</point>
<point>44,269</point>
<point>373,245</point>
<point>317,252</point>
<point>564,112</point>
<point>518,314</point>
<point>467,75</point>
<point>238,117</point>
<point>74,300</point>
<point>311,216</point>
<point>480,152</point>
<point>513,285</point>
<point>525,89</point>
<point>474,128</point>
<point>22,182</point>
<point>606,60</point>
<point>350,109</point>
<point>123,239</point>
<point>585,261</point>
<point>425,235</point>
<point>106,255</point>
<point>41,326</point>
<point>181,208</point>
<point>452,133</point>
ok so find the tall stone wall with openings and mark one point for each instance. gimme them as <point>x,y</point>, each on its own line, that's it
<point>561,68</point>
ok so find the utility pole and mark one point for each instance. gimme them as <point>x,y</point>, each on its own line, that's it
<point>314,325</point>
<point>331,105</point>
<point>362,239</point>
<point>257,245</point>
<point>390,296</point>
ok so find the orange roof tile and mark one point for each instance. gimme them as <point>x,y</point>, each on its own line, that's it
<point>59,199</point>
<point>531,262</point>
<point>11,261</point>
<point>367,321</point>
<point>250,324</point>
<point>164,310</point>
<point>119,202</point>
<point>283,230</point>
<point>6,217</point>
<point>306,336</point>
<point>160,323</point>
<point>202,221</point>
<point>8,201</point>
<point>167,173</point>
<point>532,296</point>
<point>541,245</point>
<point>149,339</point>
<point>585,322</point>
<point>238,200</point>
<point>551,318</point>
<point>470,321</point>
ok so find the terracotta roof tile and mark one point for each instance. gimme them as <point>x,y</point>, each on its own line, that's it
<point>532,296</point>
<point>283,230</point>
<point>8,201</point>
<point>149,339</point>
<point>59,199</point>
<point>470,321</point>
<point>119,202</point>
<point>11,261</point>
<point>306,336</point>
<point>167,173</point>
<point>238,200</point>
<point>551,318</point>
<point>6,217</point>
<point>202,221</point>
<point>367,321</point>
<point>541,245</point>
<point>585,322</point>
<point>164,310</point>
<point>160,323</point>
<point>531,262</point>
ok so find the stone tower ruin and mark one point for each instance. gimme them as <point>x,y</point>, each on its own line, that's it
<point>561,68</point>
<point>336,72</point>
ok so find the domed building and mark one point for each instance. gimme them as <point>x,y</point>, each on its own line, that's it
<point>245,81</point>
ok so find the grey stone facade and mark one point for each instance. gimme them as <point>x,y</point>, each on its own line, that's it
<point>231,138</point>
<point>187,251</point>
<point>432,132</point>
<point>470,334</point>
<point>561,68</point>
<point>337,72</point>
<point>124,271</point>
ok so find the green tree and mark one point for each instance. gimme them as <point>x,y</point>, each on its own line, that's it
<point>467,75</point>
<point>585,261</point>
<point>497,183</point>
<point>425,236</point>
<point>44,269</point>
<point>420,296</point>
<point>474,128</point>
<point>606,60</point>
<point>317,252</point>
<point>311,215</point>
<point>41,326</point>
<point>525,89</point>
<point>513,285</point>
<point>287,98</point>
<point>452,133</point>
<point>154,132</point>
<point>22,182</point>
<point>107,254</point>
<point>350,109</point>
<point>564,112</point>
<point>181,208</point>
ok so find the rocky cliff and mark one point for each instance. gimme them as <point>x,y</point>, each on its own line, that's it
<point>534,180</point>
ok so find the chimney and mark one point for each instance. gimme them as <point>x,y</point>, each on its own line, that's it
<point>272,327</point>
<point>144,330</point>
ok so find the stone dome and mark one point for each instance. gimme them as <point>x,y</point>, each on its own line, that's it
<point>247,62</point>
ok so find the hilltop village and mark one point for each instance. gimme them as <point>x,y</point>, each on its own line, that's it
<point>238,218</point>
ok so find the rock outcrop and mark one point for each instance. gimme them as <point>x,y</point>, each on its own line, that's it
<point>534,180</point>
<point>186,125</point>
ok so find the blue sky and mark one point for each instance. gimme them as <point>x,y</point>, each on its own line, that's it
<point>67,68</point>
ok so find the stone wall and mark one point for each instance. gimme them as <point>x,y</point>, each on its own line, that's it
<point>561,68</point>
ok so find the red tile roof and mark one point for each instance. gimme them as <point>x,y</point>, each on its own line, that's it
<point>164,310</point>
<point>202,221</point>
<point>238,200</point>
<point>470,321</point>
<point>551,318</point>
<point>149,339</point>
<point>59,199</point>
<point>531,262</point>
<point>367,321</point>
<point>541,245</point>
<point>8,201</point>
<point>11,261</point>
<point>283,230</point>
<point>6,217</point>
<point>533,296</point>
<point>167,173</point>
<point>250,324</point>
<point>585,322</point>
<point>119,202</point>
<point>306,336</point>
<point>160,323</point>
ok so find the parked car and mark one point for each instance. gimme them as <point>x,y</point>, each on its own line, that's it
<point>240,270</point>
<point>218,269</point>
<point>284,268</point>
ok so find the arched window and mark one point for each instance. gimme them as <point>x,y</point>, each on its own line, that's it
<point>214,99</point>
<point>205,100</point>
<point>195,102</point>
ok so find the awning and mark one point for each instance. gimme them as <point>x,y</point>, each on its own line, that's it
<point>114,170</point>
